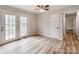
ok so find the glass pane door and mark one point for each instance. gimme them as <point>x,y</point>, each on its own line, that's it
<point>10,27</point>
<point>23,26</point>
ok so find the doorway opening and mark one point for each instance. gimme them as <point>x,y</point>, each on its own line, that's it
<point>70,22</point>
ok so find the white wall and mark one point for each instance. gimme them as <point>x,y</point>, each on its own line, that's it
<point>32,27</point>
<point>44,24</point>
<point>47,25</point>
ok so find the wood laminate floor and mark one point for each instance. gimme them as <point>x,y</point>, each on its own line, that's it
<point>43,45</point>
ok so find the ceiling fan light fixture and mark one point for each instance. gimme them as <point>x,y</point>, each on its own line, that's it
<point>42,10</point>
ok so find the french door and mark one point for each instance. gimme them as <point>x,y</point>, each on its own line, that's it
<point>8,29</point>
<point>23,26</point>
<point>12,27</point>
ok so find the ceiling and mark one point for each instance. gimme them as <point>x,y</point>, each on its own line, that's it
<point>31,8</point>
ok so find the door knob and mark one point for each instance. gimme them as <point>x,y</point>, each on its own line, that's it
<point>57,27</point>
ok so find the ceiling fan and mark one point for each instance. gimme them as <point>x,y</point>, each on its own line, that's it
<point>42,8</point>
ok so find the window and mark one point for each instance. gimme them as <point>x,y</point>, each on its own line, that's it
<point>23,26</point>
<point>10,27</point>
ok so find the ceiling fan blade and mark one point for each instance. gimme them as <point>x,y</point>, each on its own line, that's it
<point>47,6</point>
<point>46,9</point>
<point>38,5</point>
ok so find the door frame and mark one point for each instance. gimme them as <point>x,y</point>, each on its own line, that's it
<point>3,32</point>
<point>64,22</point>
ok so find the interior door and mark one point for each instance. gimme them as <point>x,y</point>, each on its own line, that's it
<point>55,26</point>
